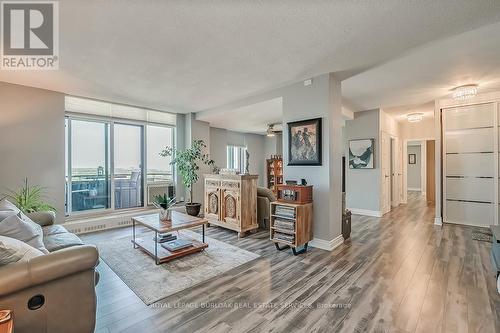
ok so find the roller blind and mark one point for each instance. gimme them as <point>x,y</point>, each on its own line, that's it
<point>78,105</point>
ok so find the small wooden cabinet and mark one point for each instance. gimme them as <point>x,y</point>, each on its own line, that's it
<point>291,225</point>
<point>231,202</point>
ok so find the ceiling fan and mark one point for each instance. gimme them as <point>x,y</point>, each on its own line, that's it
<point>271,131</point>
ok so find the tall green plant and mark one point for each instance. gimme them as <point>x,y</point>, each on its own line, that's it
<point>30,199</point>
<point>187,162</point>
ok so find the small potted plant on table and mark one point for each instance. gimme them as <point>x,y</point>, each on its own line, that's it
<point>187,161</point>
<point>163,203</point>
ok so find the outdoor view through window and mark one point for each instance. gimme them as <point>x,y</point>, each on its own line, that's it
<point>105,163</point>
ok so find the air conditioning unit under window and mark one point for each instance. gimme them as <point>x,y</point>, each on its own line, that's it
<point>159,188</point>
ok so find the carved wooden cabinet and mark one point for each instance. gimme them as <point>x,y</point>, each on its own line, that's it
<point>231,202</point>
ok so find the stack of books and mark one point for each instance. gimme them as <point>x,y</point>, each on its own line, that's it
<point>162,238</point>
<point>284,237</point>
<point>285,211</point>
<point>177,244</point>
<point>284,224</point>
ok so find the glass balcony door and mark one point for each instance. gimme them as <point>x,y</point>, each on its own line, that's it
<point>128,165</point>
<point>87,166</point>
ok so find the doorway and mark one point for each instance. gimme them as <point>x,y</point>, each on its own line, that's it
<point>420,170</point>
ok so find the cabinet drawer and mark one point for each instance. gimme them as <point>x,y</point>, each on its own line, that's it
<point>212,183</point>
<point>230,184</point>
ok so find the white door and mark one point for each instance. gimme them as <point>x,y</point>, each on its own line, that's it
<point>400,172</point>
<point>394,173</point>
<point>385,147</point>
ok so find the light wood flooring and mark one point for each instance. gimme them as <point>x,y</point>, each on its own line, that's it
<point>399,273</point>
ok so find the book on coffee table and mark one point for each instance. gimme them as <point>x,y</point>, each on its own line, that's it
<point>177,244</point>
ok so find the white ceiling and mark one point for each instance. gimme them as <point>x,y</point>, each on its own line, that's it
<point>194,55</point>
<point>429,72</point>
<point>252,118</point>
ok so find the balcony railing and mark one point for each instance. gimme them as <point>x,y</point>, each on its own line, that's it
<point>93,191</point>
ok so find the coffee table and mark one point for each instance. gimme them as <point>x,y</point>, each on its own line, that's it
<point>178,222</point>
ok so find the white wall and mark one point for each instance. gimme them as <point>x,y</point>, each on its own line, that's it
<point>363,185</point>
<point>273,145</point>
<point>219,140</point>
<point>32,141</point>
<point>414,170</point>
<point>424,129</point>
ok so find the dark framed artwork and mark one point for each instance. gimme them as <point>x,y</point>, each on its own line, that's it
<point>361,154</point>
<point>304,142</point>
<point>412,158</point>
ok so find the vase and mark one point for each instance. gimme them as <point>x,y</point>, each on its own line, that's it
<point>165,214</point>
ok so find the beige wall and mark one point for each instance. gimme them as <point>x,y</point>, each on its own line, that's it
<point>32,140</point>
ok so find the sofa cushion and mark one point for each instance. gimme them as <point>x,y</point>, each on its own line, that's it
<point>267,193</point>
<point>6,213</point>
<point>54,230</point>
<point>25,231</point>
<point>57,242</point>
<point>13,250</point>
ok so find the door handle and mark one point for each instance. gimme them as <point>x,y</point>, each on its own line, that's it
<point>386,176</point>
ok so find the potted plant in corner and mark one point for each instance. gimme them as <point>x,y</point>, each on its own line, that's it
<point>187,161</point>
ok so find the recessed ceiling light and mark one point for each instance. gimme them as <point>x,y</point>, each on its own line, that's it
<point>415,117</point>
<point>464,92</point>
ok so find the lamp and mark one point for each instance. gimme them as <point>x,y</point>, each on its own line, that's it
<point>270,130</point>
<point>464,92</point>
<point>415,117</point>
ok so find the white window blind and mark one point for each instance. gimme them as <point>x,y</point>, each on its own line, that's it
<point>78,105</point>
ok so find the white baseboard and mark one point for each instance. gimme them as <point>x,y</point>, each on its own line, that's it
<point>327,245</point>
<point>366,212</point>
<point>416,189</point>
<point>438,221</point>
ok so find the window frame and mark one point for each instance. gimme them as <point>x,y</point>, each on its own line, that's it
<point>241,156</point>
<point>69,116</point>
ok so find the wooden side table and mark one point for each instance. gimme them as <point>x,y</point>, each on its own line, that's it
<point>6,321</point>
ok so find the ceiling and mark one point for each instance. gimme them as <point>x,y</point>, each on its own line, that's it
<point>252,118</point>
<point>429,72</point>
<point>185,56</point>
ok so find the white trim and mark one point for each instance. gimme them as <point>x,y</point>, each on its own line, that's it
<point>327,245</point>
<point>366,212</point>
<point>438,220</point>
<point>415,189</point>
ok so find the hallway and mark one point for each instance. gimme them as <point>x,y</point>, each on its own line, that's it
<point>400,273</point>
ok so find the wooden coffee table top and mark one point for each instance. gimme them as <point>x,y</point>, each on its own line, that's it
<point>179,221</point>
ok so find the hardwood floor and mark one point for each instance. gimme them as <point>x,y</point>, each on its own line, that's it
<point>399,273</point>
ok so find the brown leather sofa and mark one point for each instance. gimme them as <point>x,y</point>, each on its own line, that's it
<point>54,292</point>
<point>264,198</point>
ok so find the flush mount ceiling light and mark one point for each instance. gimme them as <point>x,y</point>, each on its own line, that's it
<point>415,117</point>
<point>464,92</point>
<point>270,130</point>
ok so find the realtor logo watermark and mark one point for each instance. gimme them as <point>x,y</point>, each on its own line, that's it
<point>30,35</point>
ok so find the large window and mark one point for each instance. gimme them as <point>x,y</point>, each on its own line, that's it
<point>236,158</point>
<point>87,166</point>
<point>115,165</point>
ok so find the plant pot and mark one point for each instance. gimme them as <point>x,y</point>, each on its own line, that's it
<point>193,208</point>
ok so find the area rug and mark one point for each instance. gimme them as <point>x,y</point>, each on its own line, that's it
<point>151,282</point>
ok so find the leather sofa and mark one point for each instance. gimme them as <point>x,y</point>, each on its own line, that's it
<point>264,198</point>
<point>54,292</point>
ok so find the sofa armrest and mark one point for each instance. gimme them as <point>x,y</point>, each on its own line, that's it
<point>46,268</point>
<point>42,218</point>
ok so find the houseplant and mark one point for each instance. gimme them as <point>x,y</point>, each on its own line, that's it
<point>163,202</point>
<point>30,199</point>
<point>187,162</point>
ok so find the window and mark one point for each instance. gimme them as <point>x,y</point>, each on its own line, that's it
<point>236,158</point>
<point>87,166</point>
<point>115,165</point>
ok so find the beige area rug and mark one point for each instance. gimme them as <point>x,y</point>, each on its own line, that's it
<point>153,282</point>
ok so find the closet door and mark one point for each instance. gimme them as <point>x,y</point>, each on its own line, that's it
<point>470,155</point>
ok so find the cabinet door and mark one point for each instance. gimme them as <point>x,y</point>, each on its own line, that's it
<point>212,203</point>
<point>231,207</point>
